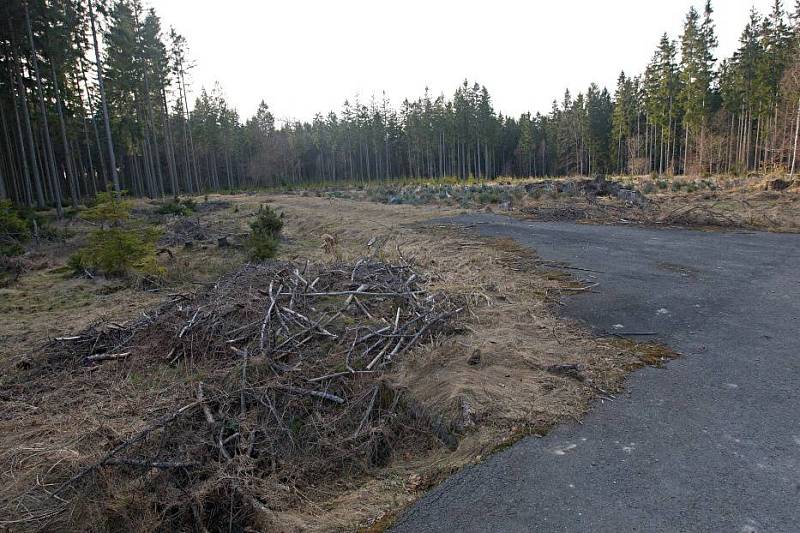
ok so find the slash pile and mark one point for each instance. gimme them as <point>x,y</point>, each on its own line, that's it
<point>286,392</point>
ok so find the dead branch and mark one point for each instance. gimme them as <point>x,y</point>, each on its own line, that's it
<point>106,357</point>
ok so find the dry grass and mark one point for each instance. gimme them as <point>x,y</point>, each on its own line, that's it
<point>720,202</point>
<point>491,382</point>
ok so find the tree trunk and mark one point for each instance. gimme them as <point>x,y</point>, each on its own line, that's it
<point>12,174</point>
<point>187,164</point>
<point>47,139</point>
<point>111,158</point>
<point>686,152</point>
<point>150,133</point>
<point>93,113</point>
<point>91,186</point>
<point>189,130</point>
<point>756,148</point>
<point>173,168</point>
<point>73,184</point>
<point>796,132</point>
<point>37,177</point>
<point>730,143</point>
<point>148,168</point>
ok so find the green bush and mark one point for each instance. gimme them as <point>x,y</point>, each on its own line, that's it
<point>108,208</point>
<point>264,237</point>
<point>177,207</point>
<point>648,187</point>
<point>114,249</point>
<point>14,230</point>
<point>488,197</point>
<point>117,251</point>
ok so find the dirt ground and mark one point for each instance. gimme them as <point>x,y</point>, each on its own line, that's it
<point>497,380</point>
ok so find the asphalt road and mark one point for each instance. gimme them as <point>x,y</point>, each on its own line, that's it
<point>710,443</point>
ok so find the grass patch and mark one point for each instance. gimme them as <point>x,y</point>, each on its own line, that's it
<point>648,354</point>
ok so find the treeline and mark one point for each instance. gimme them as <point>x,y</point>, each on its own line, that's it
<point>94,93</point>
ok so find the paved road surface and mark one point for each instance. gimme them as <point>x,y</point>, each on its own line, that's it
<point>711,443</point>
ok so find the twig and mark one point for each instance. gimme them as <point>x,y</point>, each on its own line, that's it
<point>339,374</point>
<point>380,354</point>
<point>308,392</point>
<point>189,325</point>
<point>568,267</point>
<point>347,293</point>
<point>161,465</point>
<point>201,401</point>
<point>427,326</point>
<point>226,441</point>
<point>579,289</point>
<point>242,404</point>
<point>363,309</point>
<point>106,357</point>
<point>368,411</point>
<point>623,334</point>
<point>266,318</point>
<point>210,419</point>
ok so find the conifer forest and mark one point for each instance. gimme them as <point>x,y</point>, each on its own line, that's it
<point>94,94</point>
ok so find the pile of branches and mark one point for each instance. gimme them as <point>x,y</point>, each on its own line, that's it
<point>182,230</point>
<point>557,213</point>
<point>699,215</point>
<point>292,389</point>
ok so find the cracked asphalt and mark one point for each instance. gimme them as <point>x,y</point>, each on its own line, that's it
<point>709,443</point>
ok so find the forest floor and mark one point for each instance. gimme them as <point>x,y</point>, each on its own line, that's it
<point>719,202</point>
<point>512,367</point>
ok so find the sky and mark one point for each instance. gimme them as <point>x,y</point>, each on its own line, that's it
<point>308,56</point>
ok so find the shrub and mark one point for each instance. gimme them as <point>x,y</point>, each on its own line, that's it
<point>488,197</point>
<point>266,229</point>
<point>648,187</point>
<point>14,230</point>
<point>117,251</point>
<point>108,208</point>
<point>177,207</point>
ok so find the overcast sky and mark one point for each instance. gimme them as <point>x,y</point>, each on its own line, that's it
<point>308,56</point>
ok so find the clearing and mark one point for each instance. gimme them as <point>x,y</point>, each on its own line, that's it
<point>108,427</point>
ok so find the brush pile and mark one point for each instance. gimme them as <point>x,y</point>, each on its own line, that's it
<point>697,215</point>
<point>182,230</point>
<point>286,391</point>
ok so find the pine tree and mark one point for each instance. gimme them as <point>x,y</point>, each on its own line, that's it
<point>696,75</point>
